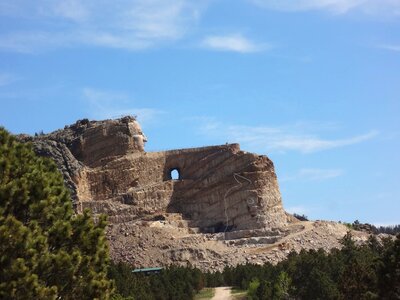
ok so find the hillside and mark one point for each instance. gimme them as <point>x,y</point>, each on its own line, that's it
<point>225,207</point>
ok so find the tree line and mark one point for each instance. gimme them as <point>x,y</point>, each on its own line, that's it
<point>370,228</point>
<point>367,271</point>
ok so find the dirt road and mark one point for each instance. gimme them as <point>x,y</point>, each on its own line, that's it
<point>308,226</point>
<point>222,293</point>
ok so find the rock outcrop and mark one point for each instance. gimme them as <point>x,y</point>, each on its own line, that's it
<point>220,188</point>
<point>224,201</point>
<point>88,144</point>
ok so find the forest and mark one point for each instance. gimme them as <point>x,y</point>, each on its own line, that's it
<point>365,271</point>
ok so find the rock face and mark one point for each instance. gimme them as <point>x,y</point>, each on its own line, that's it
<point>220,188</point>
<point>88,144</point>
<point>224,206</point>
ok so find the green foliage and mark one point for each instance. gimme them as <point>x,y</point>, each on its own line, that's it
<point>282,286</point>
<point>389,270</point>
<point>356,225</point>
<point>206,293</point>
<point>46,251</point>
<point>252,290</point>
<point>172,283</point>
<point>264,290</point>
<point>394,229</point>
<point>348,225</point>
<point>302,217</point>
<point>367,271</point>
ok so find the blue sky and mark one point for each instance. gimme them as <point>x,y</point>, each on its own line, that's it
<point>312,84</point>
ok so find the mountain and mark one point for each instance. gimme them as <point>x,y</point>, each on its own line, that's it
<point>223,206</point>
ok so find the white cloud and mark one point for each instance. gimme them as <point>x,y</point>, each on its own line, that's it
<point>313,175</point>
<point>110,105</point>
<point>308,144</point>
<point>131,25</point>
<point>335,5</point>
<point>391,7</point>
<point>6,79</point>
<point>395,48</point>
<point>71,9</point>
<point>33,41</point>
<point>277,139</point>
<point>234,43</point>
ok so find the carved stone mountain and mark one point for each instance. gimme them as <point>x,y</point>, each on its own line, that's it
<point>224,200</point>
<point>219,187</point>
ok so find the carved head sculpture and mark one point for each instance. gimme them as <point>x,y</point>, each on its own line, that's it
<point>139,138</point>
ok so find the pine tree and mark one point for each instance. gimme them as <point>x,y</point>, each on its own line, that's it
<point>282,286</point>
<point>46,251</point>
<point>264,290</point>
<point>389,270</point>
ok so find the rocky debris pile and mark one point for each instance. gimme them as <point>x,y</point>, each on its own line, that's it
<point>159,243</point>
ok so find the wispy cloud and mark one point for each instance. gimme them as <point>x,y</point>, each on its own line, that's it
<point>389,47</point>
<point>34,41</point>
<point>74,10</point>
<point>7,78</point>
<point>391,7</point>
<point>234,43</point>
<point>334,5</point>
<point>313,175</point>
<point>131,25</point>
<point>111,104</point>
<point>278,138</point>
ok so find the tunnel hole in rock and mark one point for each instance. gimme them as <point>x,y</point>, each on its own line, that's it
<point>174,174</point>
<point>218,227</point>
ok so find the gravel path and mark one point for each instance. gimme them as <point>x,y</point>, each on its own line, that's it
<point>222,293</point>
